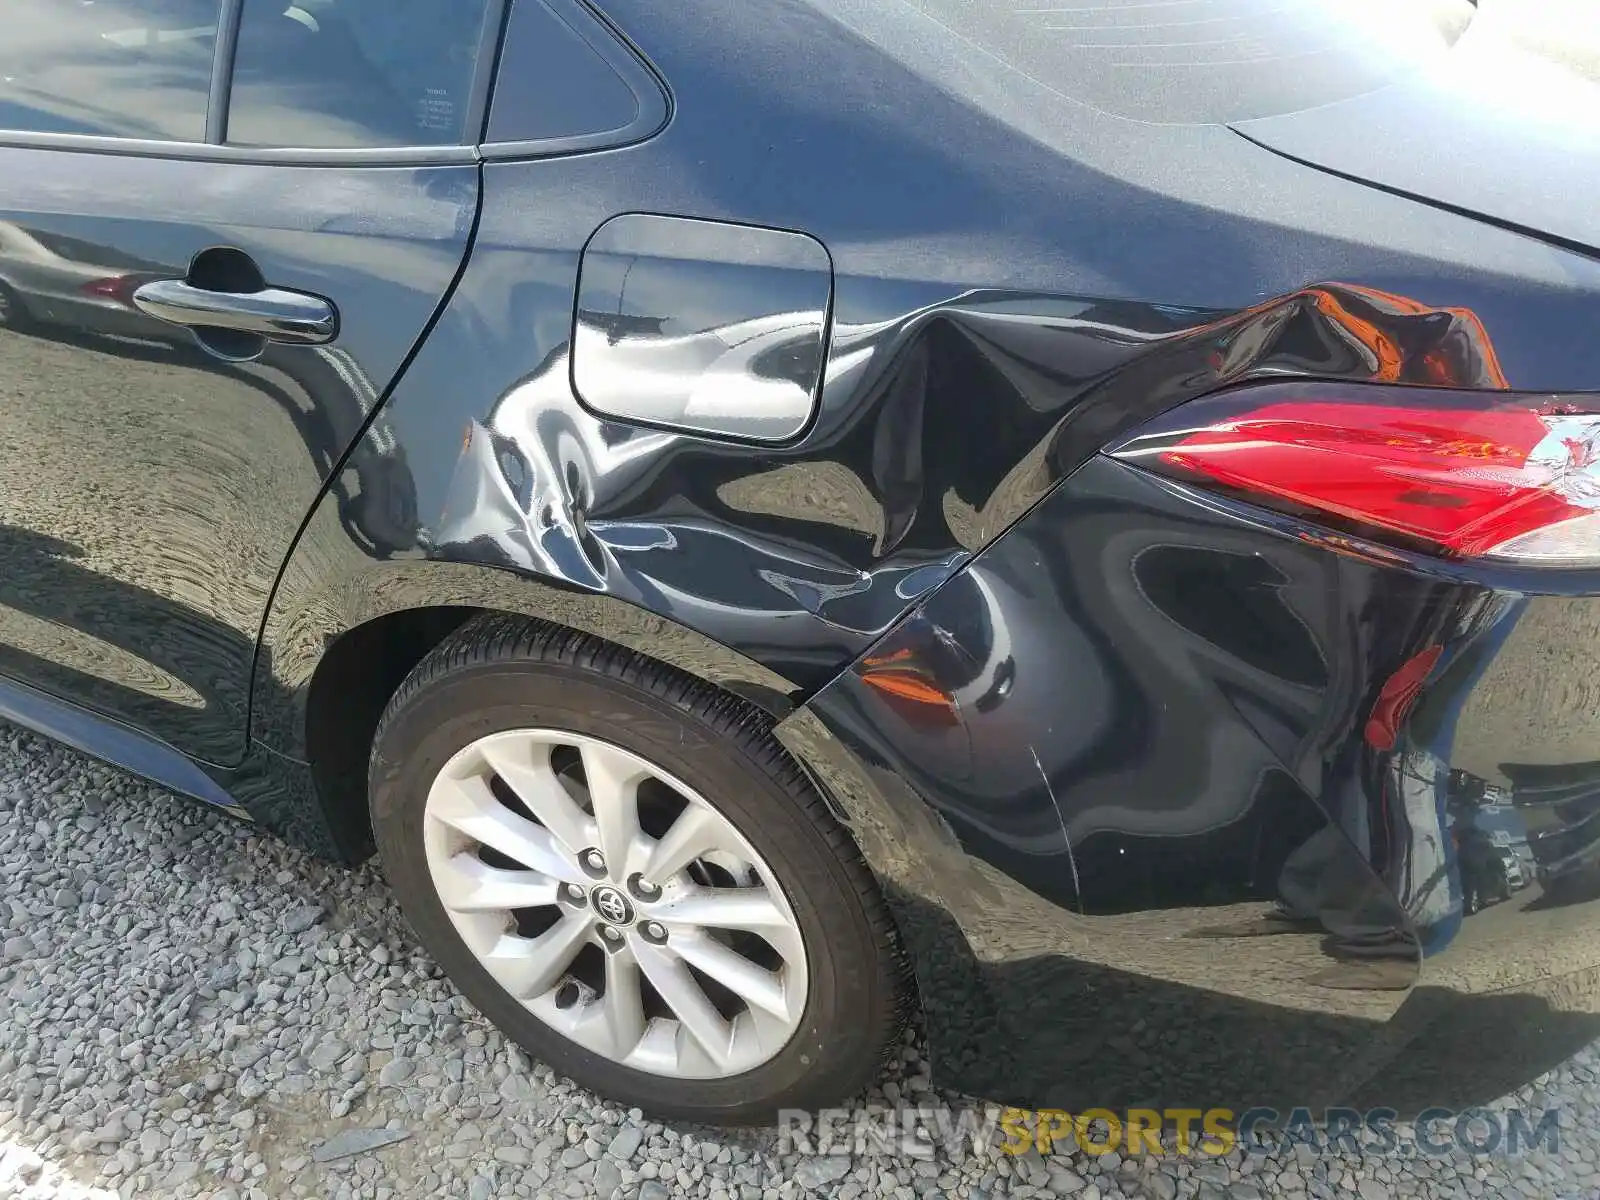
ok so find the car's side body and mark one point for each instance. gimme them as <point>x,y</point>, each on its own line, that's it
<point>1066,728</point>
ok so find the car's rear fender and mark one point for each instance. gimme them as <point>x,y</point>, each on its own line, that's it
<point>1088,765</point>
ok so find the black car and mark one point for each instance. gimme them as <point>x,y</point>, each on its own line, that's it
<point>770,515</point>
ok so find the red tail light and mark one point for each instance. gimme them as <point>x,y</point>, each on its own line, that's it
<point>1465,474</point>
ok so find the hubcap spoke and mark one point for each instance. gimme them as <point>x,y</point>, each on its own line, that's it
<point>724,908</point>
<point>473,885</point>
<point>528,967</point>
<point>624,1004</point>
<point>470,808</point>
<point>536,784</point>
<point>614,779</point>
<point>697,831</point>
<point>735,972</point>
<point>700,1019</point>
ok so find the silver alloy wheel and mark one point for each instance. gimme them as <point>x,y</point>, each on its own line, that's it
<point>629,914</point>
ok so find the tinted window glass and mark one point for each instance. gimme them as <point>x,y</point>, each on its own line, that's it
<point>352,73</point>
<point>553,83</point>
<point>128,68</point>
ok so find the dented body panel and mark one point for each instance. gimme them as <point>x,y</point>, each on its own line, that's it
<point>1084,724</point>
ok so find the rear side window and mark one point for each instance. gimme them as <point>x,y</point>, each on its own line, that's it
<point>120,68</point>
<point>555,81</point>
<point>355,73</point>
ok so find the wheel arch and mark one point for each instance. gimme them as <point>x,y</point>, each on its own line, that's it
<point>329,663</point>
<point>332,656</point>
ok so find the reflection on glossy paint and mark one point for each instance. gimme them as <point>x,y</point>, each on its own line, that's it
<point>1394,339</point>
<point>177,481</point>
<point>100,665</point>
<point>898,480</point>
<point>1240,888</point>
<point>702,326</point>
<point>1147,773</point>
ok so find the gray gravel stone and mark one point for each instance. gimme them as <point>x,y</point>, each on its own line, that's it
<point>328,1054</point>
<point>302,918</point>
<point>607,1178</point>
<point>396,1071</point>
<point>573,1157</point>
<point>626,1143</point>
<point>813,1173</point>
<point>1064,1182</point>
<point>356,1141</point>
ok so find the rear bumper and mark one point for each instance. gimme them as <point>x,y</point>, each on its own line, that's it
<point>1091,762</point>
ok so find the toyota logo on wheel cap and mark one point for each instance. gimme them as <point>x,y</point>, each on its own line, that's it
<point>612,905</point>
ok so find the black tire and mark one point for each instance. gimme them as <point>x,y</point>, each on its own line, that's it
<point>499,673</point>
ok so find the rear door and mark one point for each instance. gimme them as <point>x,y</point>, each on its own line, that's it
<point>211,268</point>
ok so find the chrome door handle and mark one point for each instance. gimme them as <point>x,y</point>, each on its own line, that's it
<point>272,313</point>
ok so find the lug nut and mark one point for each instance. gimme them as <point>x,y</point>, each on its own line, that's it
<point>610,934</point>
<point>655,931</point>
<point>594,861</point>
<point>574,891</point>
<point>643,889</point>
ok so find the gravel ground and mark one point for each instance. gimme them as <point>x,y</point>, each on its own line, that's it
<point>193,1009</point>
